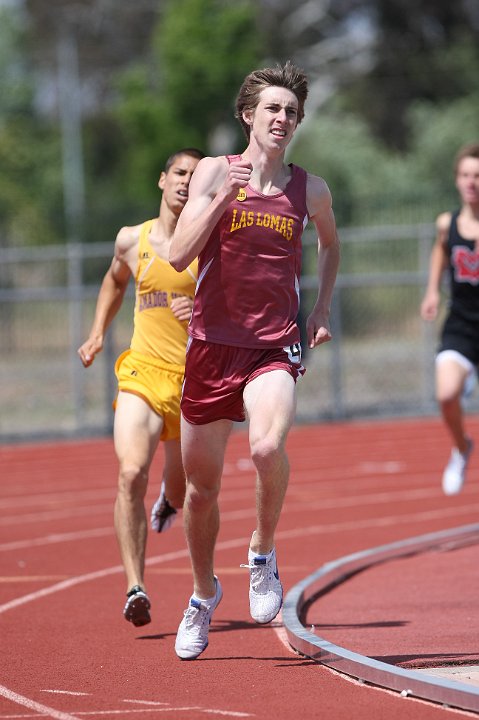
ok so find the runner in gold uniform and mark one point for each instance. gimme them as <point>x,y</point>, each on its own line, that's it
<point>150,373</point>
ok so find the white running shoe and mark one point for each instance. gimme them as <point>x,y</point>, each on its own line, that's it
<point>265,589</point>
<point>455,473</point>
<point>192,636</point>
<point>163,515</point>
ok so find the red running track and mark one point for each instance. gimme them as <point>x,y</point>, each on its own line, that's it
<point>68,653</point>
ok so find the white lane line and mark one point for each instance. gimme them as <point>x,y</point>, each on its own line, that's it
<point>32,705</point>
<point>56,538</point>
<point>147,702</point>
<point>172,708</point>
<point>291,505</point>
<point>281,633</point>
<point>211,711</point>
<point>64,692</point>
<point>47,515</point>
<point>225,545</point>
<point>64,585</point>
<point>24,500</point>
<point>96,575</point>
<point>226,713</point>
<point>322,529</point>
<point>393,693</point>
<point>4,579</point>
<point>379,522</point>
<point>348,476</point>
<point>132,711</point>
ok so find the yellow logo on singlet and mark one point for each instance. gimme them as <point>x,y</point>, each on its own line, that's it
<point>241,196</point>
<point>242,218</point>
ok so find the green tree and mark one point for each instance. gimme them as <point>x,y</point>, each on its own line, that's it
<point>201,50</point>
<point>438,131</point>
<point>206,47</point>
<point>29,186</point>
<point>424,50</point>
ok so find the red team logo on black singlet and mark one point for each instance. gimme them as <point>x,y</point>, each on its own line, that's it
<point>466,265</point>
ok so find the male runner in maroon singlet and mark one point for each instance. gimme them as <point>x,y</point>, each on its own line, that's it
<point>244,220</point>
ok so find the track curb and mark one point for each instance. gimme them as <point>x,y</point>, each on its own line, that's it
<point>449,693</point>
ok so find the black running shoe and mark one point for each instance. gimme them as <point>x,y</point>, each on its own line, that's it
<point>137,607</point>
<point>163,514</point>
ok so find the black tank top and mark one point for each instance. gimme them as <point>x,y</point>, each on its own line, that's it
<point>463,273</point>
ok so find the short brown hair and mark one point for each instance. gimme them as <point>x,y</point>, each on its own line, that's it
<point>191,151</point>
<point>287,76</point>
<point>470,150</point>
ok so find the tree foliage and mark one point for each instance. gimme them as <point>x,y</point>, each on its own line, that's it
<point>424,50</point>
<point>370,183</point>
<point>205,48</point>
<point>29,160</point>
<point>186,90</point>
<point>393,93</point>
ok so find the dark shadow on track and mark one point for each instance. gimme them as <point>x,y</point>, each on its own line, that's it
<point>438,659</point>
<point>352,626</point>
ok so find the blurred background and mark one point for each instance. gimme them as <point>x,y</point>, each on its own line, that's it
<point>96,94</point>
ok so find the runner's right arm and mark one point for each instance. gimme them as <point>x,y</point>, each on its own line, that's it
<point>214,184</point>
<point>110,297</point>
<point>437,265</point>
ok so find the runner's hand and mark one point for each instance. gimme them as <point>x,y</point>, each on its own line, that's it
<point>181,307</point>
<point>89,349</point>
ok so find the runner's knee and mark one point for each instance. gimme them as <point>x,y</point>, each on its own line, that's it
<point>266,453</point>
<point>133,479</point>
<point>201,497</point>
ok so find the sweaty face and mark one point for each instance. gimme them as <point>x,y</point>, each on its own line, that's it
<point>275,117</point>
<point>176,181</point>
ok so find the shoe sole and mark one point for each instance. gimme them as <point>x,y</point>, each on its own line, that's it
<point>137,611</point>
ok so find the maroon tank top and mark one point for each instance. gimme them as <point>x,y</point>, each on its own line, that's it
<point>248,288</point>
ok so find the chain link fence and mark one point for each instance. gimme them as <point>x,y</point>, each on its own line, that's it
<point>379,363</point>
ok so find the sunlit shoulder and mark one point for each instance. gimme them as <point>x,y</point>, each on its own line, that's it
<point>318,195</point>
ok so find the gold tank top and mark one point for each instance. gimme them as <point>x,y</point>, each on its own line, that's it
<point>157,332</point>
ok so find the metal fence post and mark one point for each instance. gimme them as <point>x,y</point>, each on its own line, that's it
<point>75,311</point>
<point>428,330</point>
<point>336,368</point>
